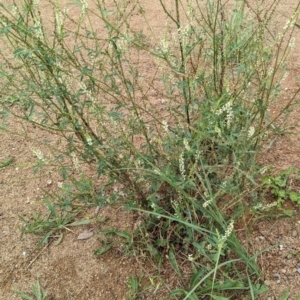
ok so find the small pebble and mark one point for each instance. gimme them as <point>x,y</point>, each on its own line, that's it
<point>49,182</point>
<point>294,233</point>
<point>283,271</point>
<point>268,282</point>
<point>280,247</point>
<point>277,276</point>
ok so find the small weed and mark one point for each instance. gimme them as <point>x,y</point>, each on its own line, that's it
<point>108,243</point>
<point>285,295</point>
<point>133,285</point>
<point>38,293</point>
<point>6,162</point>
<point>53,225</point>
<point>279,187</point>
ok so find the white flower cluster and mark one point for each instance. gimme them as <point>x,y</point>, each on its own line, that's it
<point>207,203</point>
<point>181,166</point>
<point>89,140</point>
<point>38,153</point>
<point>39,31</point>
<point>227,233</point>
<point>186,145</point>
<point>13,10</point>
<point>60,19</point>
<point>87,92</point>
<point>84,5</point>
<point>183,33</point>
<point>75,162</point>
<point>191,258</point>
<point>262,207</point>
<point>289,23</point>
<point>292,42</point>
<point>164,46</point>
<point>165,126</point>
<point>229,112</point>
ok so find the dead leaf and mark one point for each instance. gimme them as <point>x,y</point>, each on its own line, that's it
<point>85,235</point>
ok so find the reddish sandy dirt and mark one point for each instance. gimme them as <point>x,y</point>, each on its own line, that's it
<point>71,270</point>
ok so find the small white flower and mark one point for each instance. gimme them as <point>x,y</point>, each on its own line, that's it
<point>75,162</point>
<point>251,131</point>
<point>190,257</point>
<point>292,43</point>
<point>207,203</point>
<point>60,184</point>
<point>286,25</point>
<point>186,145</point>
<point>165,126</point>
<point>89,141</point>
<point>181,166</point>
<point>13,9</point>
<point>157,171</point>
<point>209,247</point>
<point>263,170</point>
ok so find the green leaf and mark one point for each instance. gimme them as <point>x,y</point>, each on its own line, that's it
<point>288,212</point>
<point>44,239</point>
<point>154,252</point>
<point>133,283</point>
<point>285,295</point>
<point>103,250</point>
<point>58,241</point>
<point>182,292</point>
<point>297,25</point>
<point>6,162</point>
<point>50,207</point>
<point>260,288</point>
<point>195,277</point>
<point>122,234</point>
<point>219,297</point>
<point>295,197</point>
<point>23,296</point>
<point>174,262</point>
<point>81,222</point>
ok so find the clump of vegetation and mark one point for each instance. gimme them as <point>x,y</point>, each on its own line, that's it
<point>178,142</point>
<point>38,293</point>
